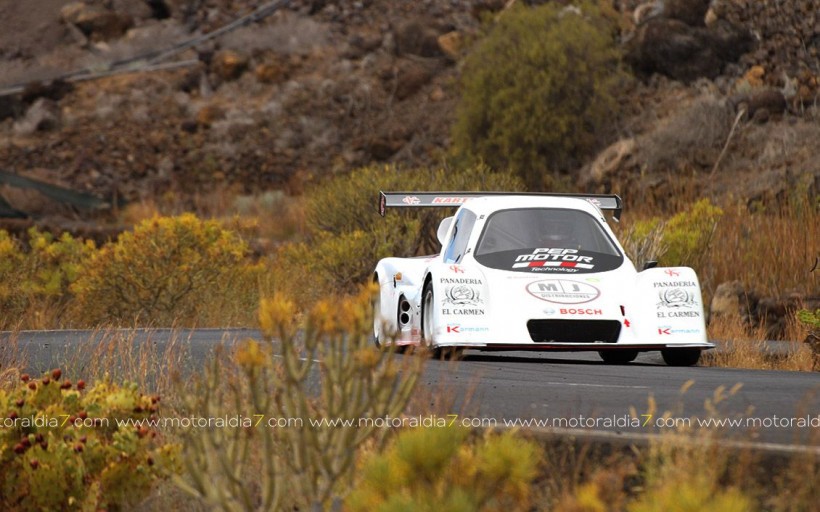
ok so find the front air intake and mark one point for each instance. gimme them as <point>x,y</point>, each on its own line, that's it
<point>574,331</point>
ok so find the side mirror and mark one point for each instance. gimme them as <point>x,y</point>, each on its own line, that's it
<point>649,264</point>
<point>443,228</point>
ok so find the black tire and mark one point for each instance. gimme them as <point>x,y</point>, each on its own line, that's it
<point>681,356</point>
<point>377,306</point>
<point>427,301</point>
<point>618,356</point>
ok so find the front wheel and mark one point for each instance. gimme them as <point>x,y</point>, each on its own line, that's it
<point>618,356</point>
<point>681,356</point>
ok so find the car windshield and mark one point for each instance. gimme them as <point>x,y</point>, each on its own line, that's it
<point>546,240</point>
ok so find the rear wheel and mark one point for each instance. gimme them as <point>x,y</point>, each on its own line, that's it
<point>377,318</point>
<point>618,356</point>
<point>681,356</point>
<point>427,314</point>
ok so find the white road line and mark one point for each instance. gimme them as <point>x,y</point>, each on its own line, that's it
<point>595,385</point>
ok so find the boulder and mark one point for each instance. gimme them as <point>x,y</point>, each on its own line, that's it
<point>11,106</point>
<point>95,21</point>
<point>43,115</point>
<point>691,12</point>
<point>733,301</point>
<point>609,163</point>
<point>685,53</point>
<point>760,105</point>
<point>416,37</point>
<point>229,65</point>
<point>451,44</point>
<point>774,313</point>
<point>406,77</point>
<point>54,90</point>
<point>813,340</point>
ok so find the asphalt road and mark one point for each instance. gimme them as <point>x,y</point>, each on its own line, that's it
<point>551,390</point>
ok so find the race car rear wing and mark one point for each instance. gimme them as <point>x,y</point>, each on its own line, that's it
<point>387,200</point>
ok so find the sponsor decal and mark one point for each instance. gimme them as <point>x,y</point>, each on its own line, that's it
<point>411,200</point>
<point>456,269</point>
<point>463,329</point>
<point>553,260</point>
<point>562,264</point>
<point>449,200</point>
<point>671,272</point>
<point>460,295</point>
<point>668,331</point>
<point>675,284</point>
<point>550,311</point>
<point>626,322</point>
<point>462,311</point>
<point>594,201</point>
<point>581,311</point>
<point>676,298</point>
<point>459,280</point>
<point>678,314</point>
<point>563,291</point>
<point>553,254</point>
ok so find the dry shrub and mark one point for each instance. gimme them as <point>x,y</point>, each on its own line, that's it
<point>740,348</point>
<point>169,270</point>
<point>773,250</point>
<point>695,135</point>
<point>346,236</point>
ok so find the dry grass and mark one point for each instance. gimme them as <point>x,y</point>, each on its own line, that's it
<point>772,251</point>
<point>740,348</point>
<point>13,359</point>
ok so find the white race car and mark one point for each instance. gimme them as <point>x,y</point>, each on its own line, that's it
<point>535,272</point>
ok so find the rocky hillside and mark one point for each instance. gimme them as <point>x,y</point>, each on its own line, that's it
<point>726,89</point>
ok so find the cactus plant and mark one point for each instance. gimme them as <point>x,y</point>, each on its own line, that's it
<point>312,372</point>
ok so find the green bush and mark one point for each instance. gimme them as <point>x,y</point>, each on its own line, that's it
<point>683,240</point>
<point>439,469</point>
<point>349,203</point>
<point>61,447</point>
<point>812,320</point>
<point>688,234</point>
<point>538,90</point>
<point>169,270</point>
<point>338,264</point>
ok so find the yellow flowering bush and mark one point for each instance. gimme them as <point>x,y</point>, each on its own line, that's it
<point>40,277</point>
<point>164,272</point>
<point>441,469</point>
